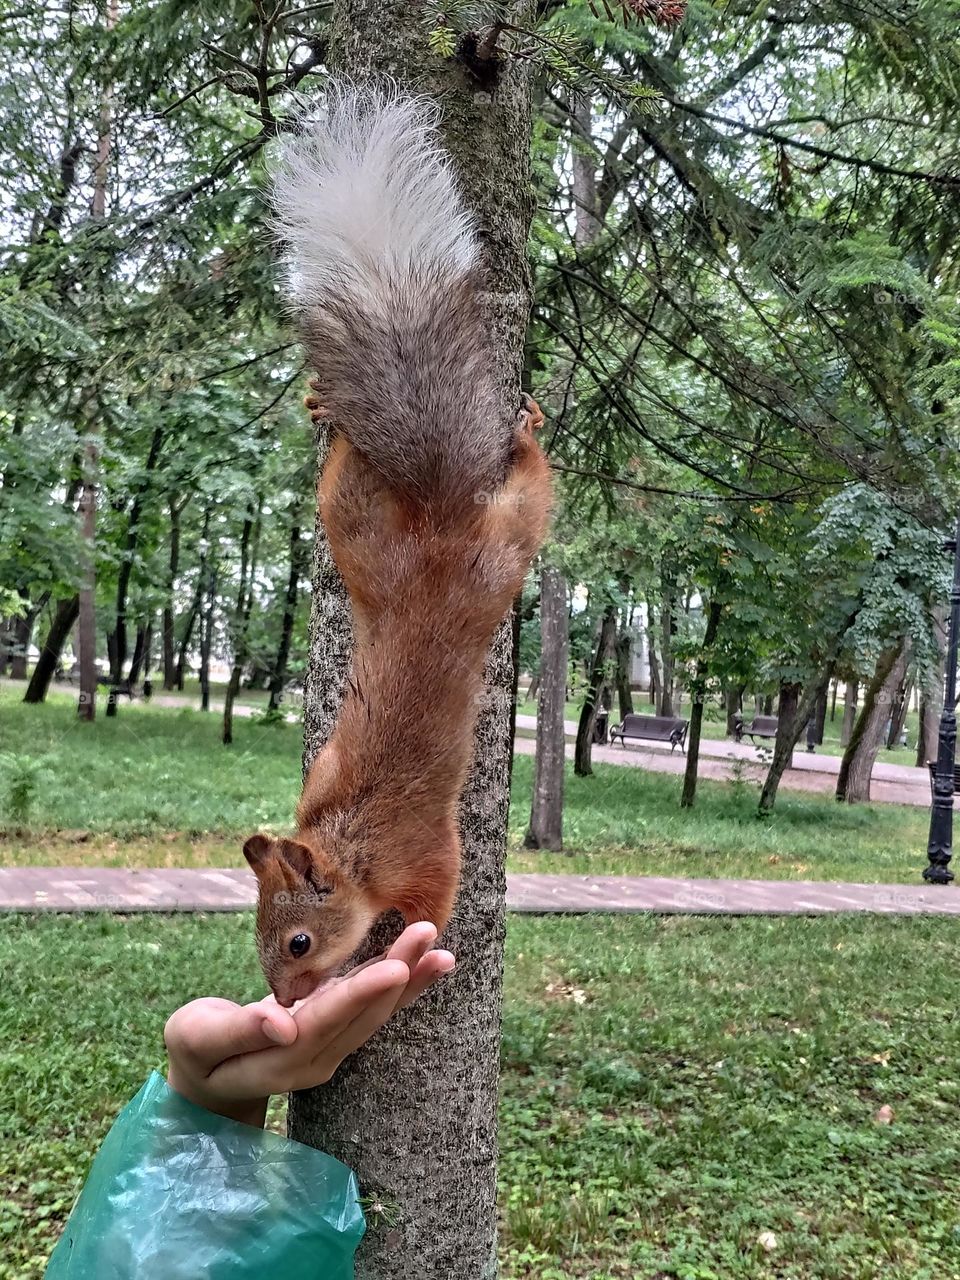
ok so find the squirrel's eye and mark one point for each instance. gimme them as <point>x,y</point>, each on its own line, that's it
<point>299,945</point>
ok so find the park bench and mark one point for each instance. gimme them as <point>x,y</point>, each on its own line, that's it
<point>116,687</point>
<point>653,729</point>
<point>932,766</point>
<point>759,727</point>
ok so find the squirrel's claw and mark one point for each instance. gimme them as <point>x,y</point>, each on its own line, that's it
<point>318,410</point>
<point>530,414</point>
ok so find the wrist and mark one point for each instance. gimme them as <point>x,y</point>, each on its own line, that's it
<point>251,1111</point>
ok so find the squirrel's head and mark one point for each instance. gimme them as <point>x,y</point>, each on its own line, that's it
<point>310,919</point>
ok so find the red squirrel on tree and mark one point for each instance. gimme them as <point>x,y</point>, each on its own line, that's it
<point>434,508</point>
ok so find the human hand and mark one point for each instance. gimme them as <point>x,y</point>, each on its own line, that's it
<point>229,1058</point>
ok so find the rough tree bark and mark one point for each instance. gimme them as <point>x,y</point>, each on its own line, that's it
<point>602,657</point>
<point>853,780</point>
<point>546,811</point>
<point>414,1113</point>
<point>65,615</point>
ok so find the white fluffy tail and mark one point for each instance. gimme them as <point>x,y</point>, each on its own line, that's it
<point>384,266</point>
<point>364,190</point>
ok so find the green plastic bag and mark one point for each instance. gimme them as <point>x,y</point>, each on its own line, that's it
<point>178,1193</point>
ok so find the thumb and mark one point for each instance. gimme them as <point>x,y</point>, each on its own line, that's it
<point>208,1031</point>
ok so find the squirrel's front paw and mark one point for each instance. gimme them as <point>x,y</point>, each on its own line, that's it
<point>529,415</point>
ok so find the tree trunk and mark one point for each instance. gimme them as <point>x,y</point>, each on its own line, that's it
<point>414,1112</point>
<point>22,633</point>
<point>64,616</point>
<point>602,657</point>
<point>546,811</point>
<point>196,605</point>
<point>87,626</point>
<point>141,653</point>
<point>931,696</point>
<point>279,675</point>
<point>898,715</point>
<point>668,625</point>
<point>797,705</point>
<point>833,701</point>
<point>624,652</point>
<point>655,681</point>
<point>249,547</point>
<point>117,643</point>
<point>817,722</point>
<point>850,696</point>
<point>698,694</point>
<point>206,635</point>
<point>733,700</point>
<point>168,645</point>
<point>853,780</point>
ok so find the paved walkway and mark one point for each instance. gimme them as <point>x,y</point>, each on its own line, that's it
<point>167,889</point>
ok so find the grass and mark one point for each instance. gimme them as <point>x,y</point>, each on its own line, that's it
<point>673,1088</point>
<point>155,787</point>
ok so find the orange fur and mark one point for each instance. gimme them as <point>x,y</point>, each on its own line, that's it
<point>377,820</point>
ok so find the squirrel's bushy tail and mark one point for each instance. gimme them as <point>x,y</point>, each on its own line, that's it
<point>383,265</point>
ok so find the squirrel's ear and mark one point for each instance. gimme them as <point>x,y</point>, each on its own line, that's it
<point>257,850</point>
<point>297,856</point>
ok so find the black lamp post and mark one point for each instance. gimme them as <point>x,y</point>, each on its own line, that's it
<point>940,844</point>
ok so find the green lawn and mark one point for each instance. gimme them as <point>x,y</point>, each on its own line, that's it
<point>673,1088</point>
<point>155,787</point>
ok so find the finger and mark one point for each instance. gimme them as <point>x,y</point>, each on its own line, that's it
<point>364,1025</point>
<point>432,967</point>
<point>320,1019</point>
<point>207,1031</point>
<point>413,944</point>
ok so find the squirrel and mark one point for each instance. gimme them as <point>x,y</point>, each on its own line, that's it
<point>433,506</point>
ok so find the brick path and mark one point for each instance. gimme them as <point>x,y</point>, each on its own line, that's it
<point>166,889</point>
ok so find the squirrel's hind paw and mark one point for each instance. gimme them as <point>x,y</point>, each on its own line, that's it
<point>314,402</point>
<point>529,415</point>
